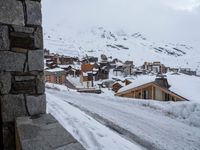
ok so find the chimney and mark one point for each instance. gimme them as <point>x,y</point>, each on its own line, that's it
<point>162,81</point>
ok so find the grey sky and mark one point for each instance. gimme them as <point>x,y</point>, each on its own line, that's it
<point>171,20</point>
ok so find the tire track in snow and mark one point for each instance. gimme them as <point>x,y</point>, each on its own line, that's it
<point>122,131</point>
<point>89,132</point>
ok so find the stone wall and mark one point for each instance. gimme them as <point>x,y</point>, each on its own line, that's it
<point>21,65</point>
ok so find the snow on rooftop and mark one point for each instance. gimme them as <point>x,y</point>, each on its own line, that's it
<point>55,70</point>
<point>137,82</point>
<point>95,69</point>
<point>85,74</point>
<point>183,85</point>
<point>119,64</point>
<point>186,86</point>
<point>121,83</point>
<point>64,66</point>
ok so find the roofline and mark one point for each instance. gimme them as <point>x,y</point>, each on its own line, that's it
<point>155,84</point>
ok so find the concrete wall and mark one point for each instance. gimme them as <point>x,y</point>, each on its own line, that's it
<point>21,65</point>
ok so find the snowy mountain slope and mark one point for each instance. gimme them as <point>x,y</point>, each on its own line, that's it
<point>119,44</point>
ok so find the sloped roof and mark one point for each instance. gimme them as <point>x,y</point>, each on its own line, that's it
<point>138,82</point>
<point>183,85</point>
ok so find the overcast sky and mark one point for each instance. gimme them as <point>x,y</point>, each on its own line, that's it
<point>170,20</point>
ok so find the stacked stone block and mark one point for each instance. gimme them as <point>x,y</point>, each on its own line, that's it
<point>21,65</point>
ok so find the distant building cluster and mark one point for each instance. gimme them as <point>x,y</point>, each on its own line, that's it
<point>113,74</point>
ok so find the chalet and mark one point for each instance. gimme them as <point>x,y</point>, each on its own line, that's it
<point>103,73</point>
<point>175,70</point>
<point>104,63</point>
<point>128,81</point>
<point>156,67</point>
<point>72,70</point>
<point>113,63</point>
<point>56,75</point>
<point>86,77</point>
<point>117,85</point>
<point>90,59</point>
<point>138,72</point>
<point>107,83</point>
<point>123,69</point>
<point>50,63</point>
<point>121,83</point>
<point>150,88</point>
<point>127,69</point>
<point>56,59</point>
<point>118,71</point>
<point>104,57</point>
<point>65,60</point>
<point>46,53</point>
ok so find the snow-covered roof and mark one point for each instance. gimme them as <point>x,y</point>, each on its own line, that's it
<point>186,86</point>
<point>95,69</point>
<point>183,85</point>
<point>64,66</point>
<point>85,74</point>
<point>119,64</point>
<point>55,70</point>
<point>121,83</point>
<point>137,82</point>
<point>49,62</point>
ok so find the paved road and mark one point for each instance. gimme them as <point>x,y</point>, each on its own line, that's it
<point>148,126</point>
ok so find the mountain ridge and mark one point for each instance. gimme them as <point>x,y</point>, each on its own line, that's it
<point>122,45</point>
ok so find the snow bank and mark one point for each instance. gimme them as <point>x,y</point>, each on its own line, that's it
<point>167,125</point>
<point>186,112</point>
<point>56,87</point>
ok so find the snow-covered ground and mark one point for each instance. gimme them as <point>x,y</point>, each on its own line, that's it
<point>165,125</point>
<point>75,81</point>
<point>90,133</point>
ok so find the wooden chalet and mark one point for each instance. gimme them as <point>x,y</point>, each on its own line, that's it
<point>103,73</point>
<point>155,90</point>
<point>116,86</point>
<point>119,84</point>
<point>56,75</point>
<point>86,76</point>
<point>118,71</point>
<point>127,81</point>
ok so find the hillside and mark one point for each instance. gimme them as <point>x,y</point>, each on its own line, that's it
<point>121,45</point>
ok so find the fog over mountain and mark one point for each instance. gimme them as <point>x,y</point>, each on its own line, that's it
<point>160,20</point>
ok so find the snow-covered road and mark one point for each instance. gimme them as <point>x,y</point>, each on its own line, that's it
<point>91,134</point>
<point>162,131</point>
